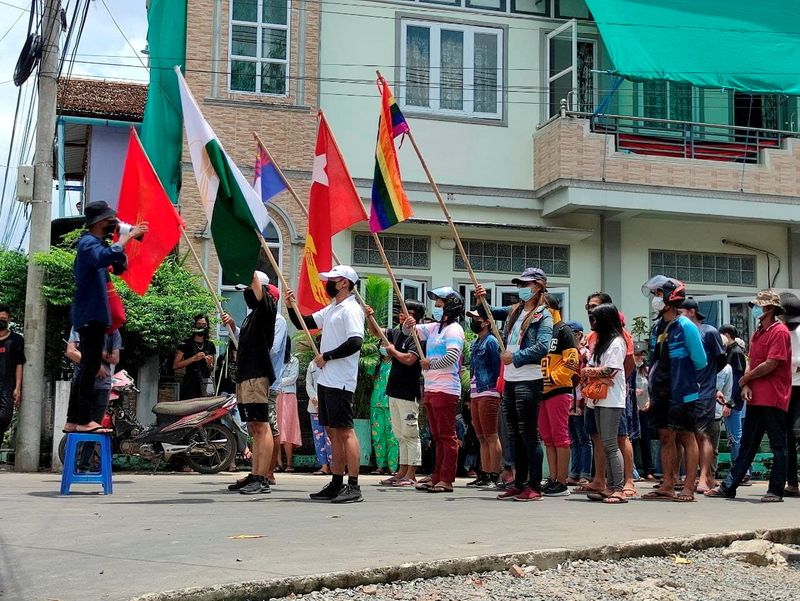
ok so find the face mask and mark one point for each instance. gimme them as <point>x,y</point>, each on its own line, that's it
<point>757,312</point>
<point>658,304</point>
<point>525,294</point>
<point>250,299</point>
<point>331,289</point>
<point>3,325</point>
<point>200,331</point>
<point>383,351</point>
<point>639,363</point>
<point>476,326</point>
<point>438,313</point>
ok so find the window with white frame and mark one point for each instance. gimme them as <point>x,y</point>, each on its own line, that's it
<point>259,46</point>
<point>669,100</point>
<point>452,69</point>
<point>560,9</point>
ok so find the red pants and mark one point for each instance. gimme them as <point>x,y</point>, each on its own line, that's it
<point>554,420</point>
<point>441,409</point>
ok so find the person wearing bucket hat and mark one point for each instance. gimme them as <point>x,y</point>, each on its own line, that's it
<point>791,307</point>
<point>766,387</point>
<point>91,313</point>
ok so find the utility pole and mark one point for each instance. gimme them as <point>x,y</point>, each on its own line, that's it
<point>33,386</point>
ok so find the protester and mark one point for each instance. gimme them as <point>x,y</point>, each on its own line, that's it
<point>442,390</point>
<point>791,306</point>
<point>580,444</point>
<point>404,391</point>
<point>12,359</point>
<point>277,356</point>
<point>637,386</point>
<point>91,311</point>
<point>706,404</point>
<point>527,335</point>
<point>678,358</point>
<point>723,408</point>
<point>766,387</point>
<point>734,351</point>
<point>104,379</point>
<point>322,443</point>
<point>254,375</point>
<point>286,408</point>
<point>559,370</point>
<point>603,385</point>
<point>196,356</point>
<point>384,443</point>
<point>342,324</point>
<point>485,400</point>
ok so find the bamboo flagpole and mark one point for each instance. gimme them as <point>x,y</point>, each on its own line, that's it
<point>303,207</point>
<point>211,289</point>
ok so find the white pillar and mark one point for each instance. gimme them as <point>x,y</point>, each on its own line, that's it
<point>59,418</point>
<point>148,395</point>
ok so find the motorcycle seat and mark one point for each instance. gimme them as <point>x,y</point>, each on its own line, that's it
<point>189,406</point>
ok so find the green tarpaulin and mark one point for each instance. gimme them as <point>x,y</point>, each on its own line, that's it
<point>162,130</point>
<point>747,46</point>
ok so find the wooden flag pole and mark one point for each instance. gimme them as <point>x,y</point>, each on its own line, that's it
<point>303,207</point>
<point>285,284</point>
<point>211,289</point>
<point>457,239</point>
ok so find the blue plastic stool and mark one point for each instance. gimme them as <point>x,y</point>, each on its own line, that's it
<point>70,477</point>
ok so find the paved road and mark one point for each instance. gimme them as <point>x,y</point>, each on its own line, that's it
<point>164,532</point>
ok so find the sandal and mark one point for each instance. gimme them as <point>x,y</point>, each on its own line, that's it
<point>683,497</point>
<point>600,495</point>
<point>771,498</point>
<point>585,489</point>
<point>791,492</point>
<point>424,486</point>
<point>630,493</point>
<point>388,481</point>
<point>289,470</point>
<point>658,495</point>
<point>615,500</point>
<point>403,482</point>
<point>439,488</point>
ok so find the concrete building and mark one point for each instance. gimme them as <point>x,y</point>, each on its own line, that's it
<point>698,184</point>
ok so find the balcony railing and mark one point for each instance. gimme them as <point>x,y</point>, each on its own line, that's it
<point>685,139</point>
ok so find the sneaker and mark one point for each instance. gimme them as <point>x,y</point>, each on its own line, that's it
<point>746,481</point>
<point>548,483</point>
<point>478,482</point>
<point>258,486</point>
<point>348,494</point>
<point>511,492</point>
<point>528,494</point>
<point>241,483</point>
<point>490,485</point>
<point>328,493</point>
<point>556,489</point>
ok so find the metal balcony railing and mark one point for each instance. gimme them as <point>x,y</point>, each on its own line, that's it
<point>685,139</point>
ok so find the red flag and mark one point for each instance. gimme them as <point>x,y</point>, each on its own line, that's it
<point>143,198</point>
<point>334,205</point>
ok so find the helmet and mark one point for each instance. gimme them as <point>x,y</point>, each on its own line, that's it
<point>674,290</point>
<point>453,301</point>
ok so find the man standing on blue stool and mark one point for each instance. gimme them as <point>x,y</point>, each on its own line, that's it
<point>91,314</point>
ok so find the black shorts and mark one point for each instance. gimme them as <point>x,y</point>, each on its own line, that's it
<point>253,412</point>
<point>682,417</point>
<point>335,407</point>
<point>659,413</point>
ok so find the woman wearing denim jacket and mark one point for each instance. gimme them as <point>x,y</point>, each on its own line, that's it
<point>485,369</point>
<point>528,331</point>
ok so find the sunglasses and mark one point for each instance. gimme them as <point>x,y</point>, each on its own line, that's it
<point>589,307</point>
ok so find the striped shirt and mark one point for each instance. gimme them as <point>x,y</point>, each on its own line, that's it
<point>450,337</point>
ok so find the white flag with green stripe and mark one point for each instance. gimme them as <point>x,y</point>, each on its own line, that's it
<point>231,204</point>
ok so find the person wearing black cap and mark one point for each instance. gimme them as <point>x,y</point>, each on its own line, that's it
<point>91,314</point>
<point>791,306</point>
<point>706,405</point>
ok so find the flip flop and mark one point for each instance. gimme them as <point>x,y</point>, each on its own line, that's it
<point>423,486</point>
<point>612,500</point>
<point>598,496</point>
<point>683,498</point>
<point>388,482</point>
<point>770,498</point>
<point>630,493</point>
<point>658,495</point>
<point>583,489</point>
<point>403,483</point>
<point>439,489</point>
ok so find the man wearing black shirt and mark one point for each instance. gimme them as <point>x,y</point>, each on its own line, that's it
<point>254,376</point>
<point>12,358</point>
<point>733,412</point>
<point>404,391</point>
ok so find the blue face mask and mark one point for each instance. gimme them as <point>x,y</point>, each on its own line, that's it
<point>525,294</point>
<point>757,312</point>
<point>438,313</point>
<point>383,351</point>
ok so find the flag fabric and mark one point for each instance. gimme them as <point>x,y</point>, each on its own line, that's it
<point>231,204</point>
<point>267,181</point>
<point>334,205</point>
<point>390,205</point>
<point>142,198</point>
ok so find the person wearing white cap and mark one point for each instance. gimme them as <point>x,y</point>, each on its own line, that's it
<point>342,325</point>
<point>254,375</point>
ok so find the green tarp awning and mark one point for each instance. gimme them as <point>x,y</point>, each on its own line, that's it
<point>747,46</point>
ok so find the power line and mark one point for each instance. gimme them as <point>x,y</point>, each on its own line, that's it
<point>108,10</point>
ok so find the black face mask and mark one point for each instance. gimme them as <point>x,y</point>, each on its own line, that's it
<point>3,325</point>
<point>201,331</point>
<point>250,299</point>
<point>476,326</point>
<point>331,289</point>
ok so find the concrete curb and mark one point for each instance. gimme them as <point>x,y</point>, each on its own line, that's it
<point>543,559</point>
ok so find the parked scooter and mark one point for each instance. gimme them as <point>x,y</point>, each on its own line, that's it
<point>191,430</point>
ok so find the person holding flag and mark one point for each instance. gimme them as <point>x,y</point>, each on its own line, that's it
<point>342,325</point>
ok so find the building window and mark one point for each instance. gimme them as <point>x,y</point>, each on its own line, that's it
<point>508,257</point>
<point>259,46</point>
<point>561,9</point>
<point>668,100</point>
<point>402,251</point>
<point>704,268</point>
<point>452,69</point>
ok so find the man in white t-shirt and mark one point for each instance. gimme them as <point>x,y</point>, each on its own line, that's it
<point>342,325</point>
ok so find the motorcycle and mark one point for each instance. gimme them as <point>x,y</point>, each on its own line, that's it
<point>188,429</point>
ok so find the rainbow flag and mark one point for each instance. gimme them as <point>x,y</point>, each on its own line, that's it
<point>389,203</point>
<point>267,181</point>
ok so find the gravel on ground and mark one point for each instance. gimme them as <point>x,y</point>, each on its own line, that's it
<point>695,576</point>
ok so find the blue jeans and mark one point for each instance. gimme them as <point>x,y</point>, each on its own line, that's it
<point>733,427</point>
<point>757,422</point>
<point>521,402</point>
<point>580,465</point>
